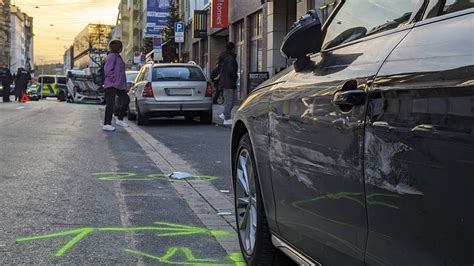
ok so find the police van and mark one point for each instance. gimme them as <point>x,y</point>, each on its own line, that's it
<point>52,86</point>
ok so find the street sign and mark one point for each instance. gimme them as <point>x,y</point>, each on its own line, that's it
<point>179,32</point>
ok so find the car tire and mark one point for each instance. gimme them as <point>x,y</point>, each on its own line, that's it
<point>205,117</point>
<point>131,116</point>
<point>249,204</point>
<point>142,119</point>
<point>189,118</point>
<point>62,96</point>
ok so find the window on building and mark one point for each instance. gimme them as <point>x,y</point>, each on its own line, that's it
<point>256,46</point>
<point>239,49</point>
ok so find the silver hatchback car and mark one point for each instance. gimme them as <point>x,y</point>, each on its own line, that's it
<point>169,90</point>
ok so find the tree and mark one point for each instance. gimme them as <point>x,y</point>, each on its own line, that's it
<point>170,47</point>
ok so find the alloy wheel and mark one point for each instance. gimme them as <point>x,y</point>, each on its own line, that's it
<point>246,201</point>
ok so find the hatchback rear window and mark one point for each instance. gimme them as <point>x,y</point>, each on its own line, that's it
<point>48,80</point>
<point>173,73</point>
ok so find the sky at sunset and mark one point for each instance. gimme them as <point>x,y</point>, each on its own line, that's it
<point>68,18</point>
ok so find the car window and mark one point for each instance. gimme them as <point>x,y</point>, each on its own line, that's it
<point>62,80</point>
<point>47,80</point>
<point>172,73</point>
<point>357,19</point>
<point>131,76</point>
<point>457,5</point>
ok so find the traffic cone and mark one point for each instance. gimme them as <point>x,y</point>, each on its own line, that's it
<point>24,98</point>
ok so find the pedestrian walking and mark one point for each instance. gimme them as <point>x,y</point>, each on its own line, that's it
<point>228,80</point>
<point>22,80</point>
<point>215,76</point>
<point>115,84</point>
<point>6,80</point>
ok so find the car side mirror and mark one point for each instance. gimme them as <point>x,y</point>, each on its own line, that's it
<point>305,37</point>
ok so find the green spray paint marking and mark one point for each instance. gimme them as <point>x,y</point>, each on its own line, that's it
<point>172,255</point>
<point>110,176</point>
<point>355,197</point>
<point>162,229</point>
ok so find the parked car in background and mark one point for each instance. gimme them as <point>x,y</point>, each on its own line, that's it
<point>168,90</point>
<point>362,153</point>
<point>52,86</point>
<point>131,76</point>
<point>32,93</point>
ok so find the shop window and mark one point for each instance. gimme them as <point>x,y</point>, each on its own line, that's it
<point>256,46</point>
<point>239,50</point>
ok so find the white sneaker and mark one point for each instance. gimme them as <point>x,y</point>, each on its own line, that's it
<point>108,128</point>
<point>121,123</point>
<point>222,116</point>
<point>228,122</point>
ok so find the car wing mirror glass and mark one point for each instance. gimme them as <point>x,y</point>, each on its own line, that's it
<point>297,43</point>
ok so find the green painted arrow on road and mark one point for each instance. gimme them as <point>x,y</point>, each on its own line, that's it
<point>162,229</point>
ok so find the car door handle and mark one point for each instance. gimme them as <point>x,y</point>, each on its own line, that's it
<point>349,98</point>
<point>283,117</point>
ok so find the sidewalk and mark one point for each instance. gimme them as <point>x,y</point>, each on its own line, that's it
<point>219,109</point>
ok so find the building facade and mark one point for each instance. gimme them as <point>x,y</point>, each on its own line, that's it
<point>256,27</point>
<point>21,40</point>
<point>4,32</point>
<point>90,46</point>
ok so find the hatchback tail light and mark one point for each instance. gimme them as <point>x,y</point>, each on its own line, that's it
<point>209,90</point>
<point>148,91</point>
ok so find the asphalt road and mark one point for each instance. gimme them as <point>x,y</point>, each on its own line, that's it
<point>63,200</point>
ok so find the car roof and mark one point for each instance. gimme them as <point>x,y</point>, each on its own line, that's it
<point>51,76</point>
<point>175,65</point>
<point>131,72</point>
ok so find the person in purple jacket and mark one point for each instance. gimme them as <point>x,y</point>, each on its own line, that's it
<point>115,84</point>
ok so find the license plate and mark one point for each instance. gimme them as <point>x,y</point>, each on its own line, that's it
<point>179,92</point>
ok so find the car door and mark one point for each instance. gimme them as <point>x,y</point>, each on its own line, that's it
<point>316,148</point>
<point>419,159</point>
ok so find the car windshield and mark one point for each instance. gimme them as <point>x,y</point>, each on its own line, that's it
<point>47,80</point>
<point>172,73</point>
<point>131,76</point>
<point>62,80</point>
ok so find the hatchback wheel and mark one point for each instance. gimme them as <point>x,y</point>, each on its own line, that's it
<point>254,234</point>
<point>142,119</point>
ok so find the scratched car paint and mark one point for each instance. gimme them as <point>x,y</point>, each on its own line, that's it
<point>384,181</point>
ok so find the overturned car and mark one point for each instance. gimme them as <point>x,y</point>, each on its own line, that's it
<point>83,89</point>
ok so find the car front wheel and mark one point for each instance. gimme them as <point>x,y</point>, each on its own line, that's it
<point>254,234</point>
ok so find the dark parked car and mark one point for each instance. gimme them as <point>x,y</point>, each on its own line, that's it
<point>363,151</point>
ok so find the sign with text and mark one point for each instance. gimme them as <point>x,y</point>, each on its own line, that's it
<point>220,14</point>
<point>257,78</point>
<point>179,32</point>
<point>200,24</point>
<point>157,12</point>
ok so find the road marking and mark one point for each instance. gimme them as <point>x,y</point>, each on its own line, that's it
<point>162,229</point>
<point>204,199</point>
<point>128,176</point>
<point>180,252</point>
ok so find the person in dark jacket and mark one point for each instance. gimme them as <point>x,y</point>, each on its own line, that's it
<point>6,80</point>
<point>22,79</point>
<point>228,80</point>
